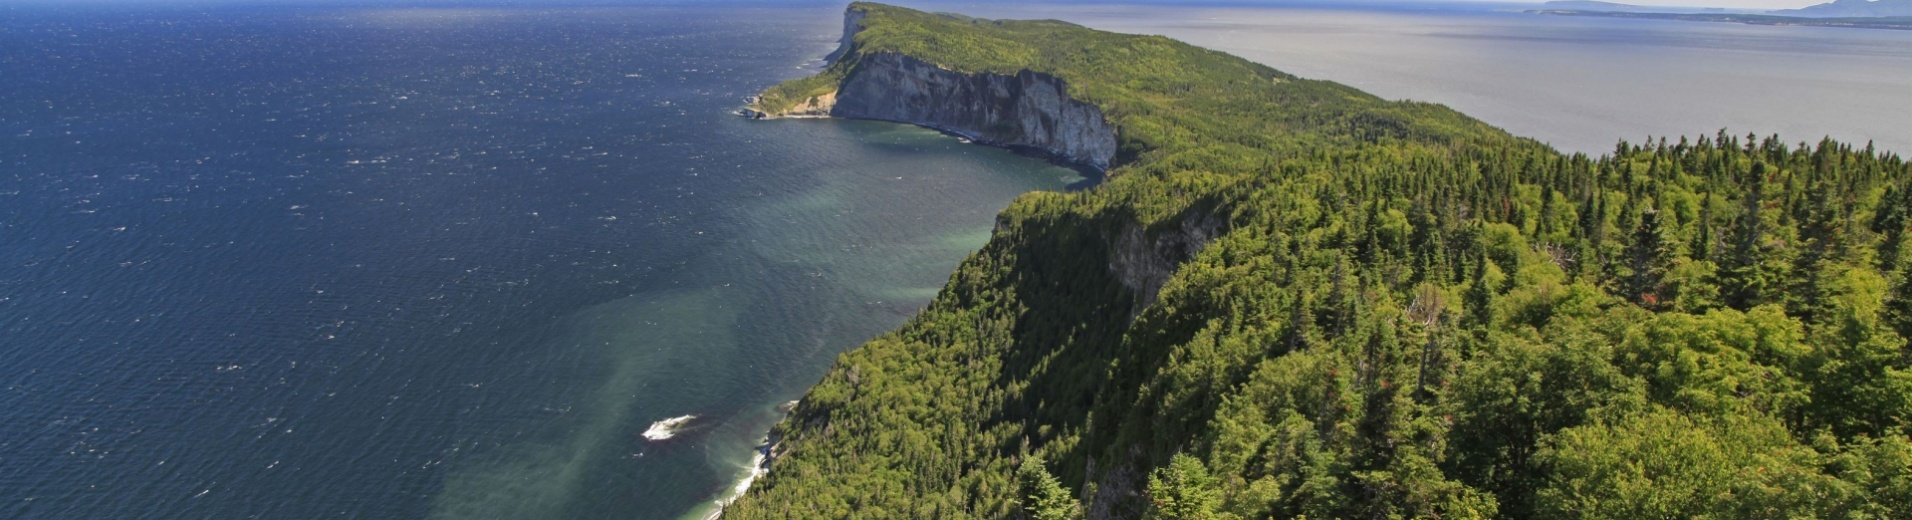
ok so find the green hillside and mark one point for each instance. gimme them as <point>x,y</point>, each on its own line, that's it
<point>1377,310</point>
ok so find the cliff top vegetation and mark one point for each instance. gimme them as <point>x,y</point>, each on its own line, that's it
<point>1165,95</point>
<point>1293,299</point>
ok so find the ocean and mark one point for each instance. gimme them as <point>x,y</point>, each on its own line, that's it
<point>306,260</point>
<point>301,262</point>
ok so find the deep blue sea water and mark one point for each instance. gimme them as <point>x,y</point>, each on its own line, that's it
<point>285,262</point>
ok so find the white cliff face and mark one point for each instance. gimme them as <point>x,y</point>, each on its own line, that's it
<point>852,24</point>
<point>1027,110</point>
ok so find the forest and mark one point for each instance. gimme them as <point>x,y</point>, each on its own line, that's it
<point>1373,309</point>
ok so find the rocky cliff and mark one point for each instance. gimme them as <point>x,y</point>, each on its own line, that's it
<point>1143,261</point>
<point>1028,110</point>
<point>852,24</point>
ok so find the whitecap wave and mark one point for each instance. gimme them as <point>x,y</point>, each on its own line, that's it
<point>759,465</point>
<point>757,469</point>
<point>667,428</point>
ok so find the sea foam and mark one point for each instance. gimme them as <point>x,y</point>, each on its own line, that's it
<point>666,428</point>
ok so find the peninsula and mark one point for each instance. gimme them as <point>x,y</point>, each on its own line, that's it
<point>1291,298</point>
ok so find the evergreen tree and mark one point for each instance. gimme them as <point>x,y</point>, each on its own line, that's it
<point>1743,280</point>
<point>1703,238</point>
<point>1890,222</point>
<point>1648,255</point>
<point>1479,300</point>
<point>1043,497</point>
<point>1183,490</point>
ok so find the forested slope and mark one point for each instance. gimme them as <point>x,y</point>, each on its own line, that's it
<point>1291,299</point>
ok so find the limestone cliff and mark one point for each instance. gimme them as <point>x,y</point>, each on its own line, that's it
<point>852,24</point>
<point>1028,110</point>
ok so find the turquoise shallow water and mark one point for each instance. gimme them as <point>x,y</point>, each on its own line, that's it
<point>290,262</point>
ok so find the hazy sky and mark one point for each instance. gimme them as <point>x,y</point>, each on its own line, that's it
<point>1734,4</point>
<point>1742,4</point>
<point>1738,4</point>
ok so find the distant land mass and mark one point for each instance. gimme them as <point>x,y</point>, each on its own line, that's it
<point>1860,14</point>
<point>1852,9</point>
<point>1615,7</point>
<point>1902,23</point>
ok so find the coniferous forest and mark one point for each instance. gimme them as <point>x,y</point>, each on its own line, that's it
<point>1293,299</point>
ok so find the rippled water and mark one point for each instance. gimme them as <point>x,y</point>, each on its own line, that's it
<point>450,263</point>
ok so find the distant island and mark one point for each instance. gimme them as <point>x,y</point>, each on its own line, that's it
<point>1293,299</point>
<point>1858,14</point>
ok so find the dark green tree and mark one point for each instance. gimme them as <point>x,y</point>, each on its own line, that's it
<point>1649,254</point>
<point>1183,490</point>
<point>1744,280</point>
<point>1043,497</point>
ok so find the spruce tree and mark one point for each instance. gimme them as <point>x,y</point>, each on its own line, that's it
<point>1703,238</point>
<point>1479,299</point>
<point>1043,497</point>
<point>1743,283</point>
<point>1648,255</point>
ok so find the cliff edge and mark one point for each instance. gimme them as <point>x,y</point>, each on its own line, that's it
<point>1295,299</point>
<point>1025,110</point>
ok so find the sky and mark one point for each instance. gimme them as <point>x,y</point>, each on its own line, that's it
<point>1731,4</point>
<point>1736,4</point>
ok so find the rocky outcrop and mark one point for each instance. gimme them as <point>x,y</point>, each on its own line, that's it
<point>817,106</point>
<point>1144,261</point>
<point>1028,110</point>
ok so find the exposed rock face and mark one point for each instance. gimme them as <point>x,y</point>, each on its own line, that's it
<point>818,106</point>
<point>1114,491</point>
<point>1027,110</point>
<point>1144,263</point>
<point>852,24</point>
